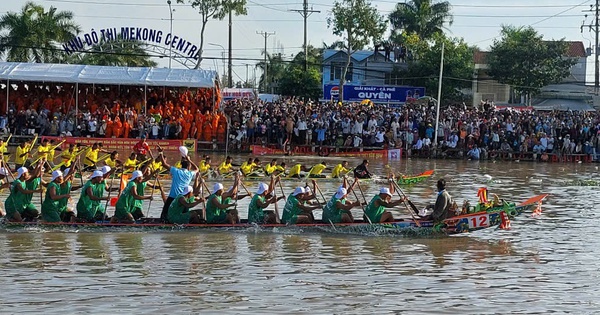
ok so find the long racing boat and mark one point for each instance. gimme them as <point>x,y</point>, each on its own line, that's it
<point>488,217</point>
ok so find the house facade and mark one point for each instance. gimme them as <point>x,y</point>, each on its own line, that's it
<point>572,87</point>
<point>370,76</point>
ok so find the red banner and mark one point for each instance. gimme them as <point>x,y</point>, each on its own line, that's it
<point>122,144</point>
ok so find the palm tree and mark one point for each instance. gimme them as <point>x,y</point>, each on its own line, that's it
<point>118,52</point>
<point>33,34</point>
<point>275,70</point>
<point>421,17</point>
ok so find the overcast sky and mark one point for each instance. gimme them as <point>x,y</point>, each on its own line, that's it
<point>475,20</point>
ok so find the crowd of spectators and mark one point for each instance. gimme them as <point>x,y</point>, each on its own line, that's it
<point>477,132</point>
<point>111,111</point>
<point>471,132</point>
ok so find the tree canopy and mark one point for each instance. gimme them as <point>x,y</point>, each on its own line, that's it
<point>33,34</point>
<point>421,17</point>
<point>358,23</point>
<point>522,59</point>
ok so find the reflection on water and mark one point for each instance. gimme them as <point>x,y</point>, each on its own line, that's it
<point>543,265</point>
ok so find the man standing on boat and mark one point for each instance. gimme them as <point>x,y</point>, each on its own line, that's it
<point>362,171</point>
<point>375,211</point>
<point>256,212</point>
<point>295,211</point>
<point>182,177</point>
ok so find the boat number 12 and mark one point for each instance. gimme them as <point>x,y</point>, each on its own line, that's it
<point>479,221</point>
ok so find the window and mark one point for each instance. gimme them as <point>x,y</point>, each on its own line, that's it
<point>337,68</point>
<point>392,79</point>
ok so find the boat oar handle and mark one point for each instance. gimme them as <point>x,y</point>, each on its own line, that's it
<point>398,191</point>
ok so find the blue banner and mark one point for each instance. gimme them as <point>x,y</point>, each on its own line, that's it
<point>377,94</point>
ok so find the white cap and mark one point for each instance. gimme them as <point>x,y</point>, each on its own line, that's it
<point>3,171</point>
<point>67,170</point>
<point>183,151</point>
<point>187,190</point>
<point>105,169</point>
<point>134,175</point>
<point>217,187</point>
<point>56,174</point>
<point>21,171</point>
<point>96,174</point>
<point>262,187</point>
<point>341,192</point>
<point>307,190</point>
<point>386,191</point>
<point>297,191</point>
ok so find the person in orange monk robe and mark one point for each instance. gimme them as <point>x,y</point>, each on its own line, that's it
<point>117,128</point>
<point>186,126</point>
<point>207,130</point>
<point>126,129</point>
<point>109,128</point>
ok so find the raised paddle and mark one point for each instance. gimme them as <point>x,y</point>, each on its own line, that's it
<point>277,220</point>
<point>112,177</point>
<point>414,208</point>
<point>398,190</point>
<point>152,193</point>
<point>365,201</point>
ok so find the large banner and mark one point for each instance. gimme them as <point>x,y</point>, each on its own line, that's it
<point>235,93</point>
<point>377,94</point>
<point>122,144</point>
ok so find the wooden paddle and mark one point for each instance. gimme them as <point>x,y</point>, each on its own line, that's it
<point>412,205</point>
<point>112,177</point>
<point>398,190</point>
<point>365,201</point>
<point>152,193</point>
<point>277,220</point>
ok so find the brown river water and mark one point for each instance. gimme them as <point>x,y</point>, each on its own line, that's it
<point>546,264</point>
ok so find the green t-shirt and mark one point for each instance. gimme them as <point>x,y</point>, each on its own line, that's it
<point>126,201</point>
<point>137,204</point>
<point>86,207</point>
<point>178,214</point>
<point>255,213</point>
<point>373,212</point>
<point>65,189</point>
<point>212,212</point>
<point>331,211</point>
<point>290,209</point>
<point>16,200</point>
<point>31,185</point>
<point>51,209</point>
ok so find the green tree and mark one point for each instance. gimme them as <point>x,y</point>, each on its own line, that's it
<point>275,69</point>
<point>458,68</point>
<point>214,9</point>
<point>358,23</point>
<point>421,17</point>
<point>126,53</point>
<point>300,83</point>
<point>33,34</point>
<point>522,59</point>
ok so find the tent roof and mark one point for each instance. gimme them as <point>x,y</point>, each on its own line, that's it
<point>47,72</point>
<point>562,104</point>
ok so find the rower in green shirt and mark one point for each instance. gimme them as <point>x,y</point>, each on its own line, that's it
<point>18,204</point>
<point>375,211</point>
<point>295,210</point>
<point>89,204</point>
<point>216,207</point>
<point>337,210</point>
<point>54,207</point>
<point>126,202</point>
<point>179,210</point>
<point>256,212</point>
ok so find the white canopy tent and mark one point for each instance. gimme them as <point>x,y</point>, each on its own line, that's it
<point>83,74</point>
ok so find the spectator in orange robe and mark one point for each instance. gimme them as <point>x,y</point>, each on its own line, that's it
<point>117,128</point>
<point>109,128</point>
<point>126,129</point>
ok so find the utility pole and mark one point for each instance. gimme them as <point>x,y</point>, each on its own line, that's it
<point>170,31</point>
<point>595,27</point>
<point>266,36</point>
<point>229,62</point>
<point>305,13</point>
